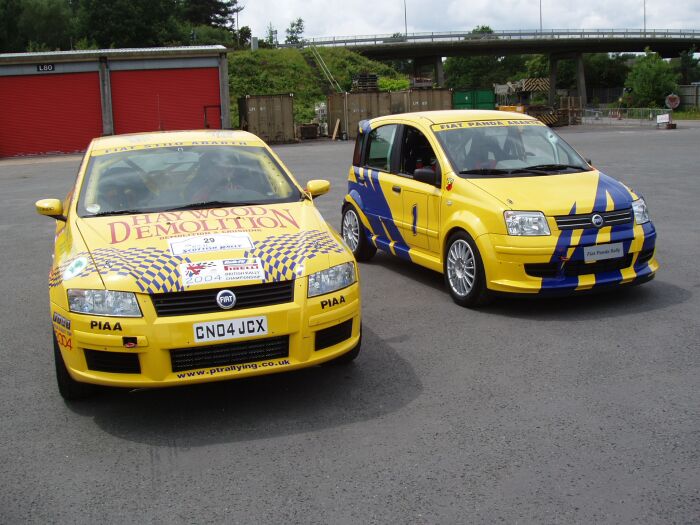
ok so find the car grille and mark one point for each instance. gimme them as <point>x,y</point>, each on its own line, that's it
<point>229,354</point>
<point>204,301</point>
<point>610,218</point>
<point>333,335</point>
<point>576,268</point>
<point>115,362</point>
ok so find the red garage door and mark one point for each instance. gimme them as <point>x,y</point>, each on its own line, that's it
<point>165,99</point>
<point>49,113</point>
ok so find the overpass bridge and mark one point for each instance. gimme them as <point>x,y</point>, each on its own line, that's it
<point>558,44</point>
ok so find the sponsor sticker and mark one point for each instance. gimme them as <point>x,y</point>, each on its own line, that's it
<point>229,329</point>
<point>602,251</point>
<point>75,268</point>
<point>221,271</point>
<point>210,243</point>
<point>485,124</point>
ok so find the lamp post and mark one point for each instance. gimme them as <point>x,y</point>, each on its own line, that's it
<point>645,17</point>
<point>540,16</point>
<point>405,21</point>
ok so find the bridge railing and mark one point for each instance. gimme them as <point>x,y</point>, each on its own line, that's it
<point>520,34</point>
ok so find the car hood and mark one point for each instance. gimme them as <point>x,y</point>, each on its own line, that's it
<point>209,248</point>
<point>564,194</point>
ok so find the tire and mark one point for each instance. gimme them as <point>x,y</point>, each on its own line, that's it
<point>69,388</point>
<point>464,272</point>
<point>353,234</point>
<point>350,356</point>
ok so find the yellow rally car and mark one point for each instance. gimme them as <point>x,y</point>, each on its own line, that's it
<point>497,202</point>
<point>187,257</point>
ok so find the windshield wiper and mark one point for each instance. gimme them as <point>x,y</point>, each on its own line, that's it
<point>210,204</point>
<point>498,171</point>
<point>117,212</point>
<point>485,171</point>
<point>554,167</point>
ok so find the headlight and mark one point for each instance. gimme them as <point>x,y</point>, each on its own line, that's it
<point>332,279</point>
<point>103,302</point>
<point>526,223</point>
<point>641,214</point>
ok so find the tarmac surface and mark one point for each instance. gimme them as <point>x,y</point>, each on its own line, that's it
<point>579,410</point>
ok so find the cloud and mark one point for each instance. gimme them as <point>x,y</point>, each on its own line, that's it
<point>345,17</point>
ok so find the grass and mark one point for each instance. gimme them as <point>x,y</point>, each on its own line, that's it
<point>688,114</point>
<point>276,71</point>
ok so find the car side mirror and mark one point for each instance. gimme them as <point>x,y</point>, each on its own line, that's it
<point>590,162</point>
<point>317,187</point>
<point>50,208</point>
<point>426,175</point>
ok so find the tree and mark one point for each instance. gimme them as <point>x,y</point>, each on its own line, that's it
<point>45,24</point>
<point>687,66</point>
<point>271,36</point>
<point>294,32</point>
<point>10,39</point>
<point>650,80</point>
<point>217,13</point>
<point>481,72</point>
<point>131,23</point>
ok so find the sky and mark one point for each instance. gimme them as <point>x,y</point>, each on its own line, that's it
<point>347,17</point>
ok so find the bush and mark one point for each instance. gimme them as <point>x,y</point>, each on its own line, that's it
<point>651,79</point>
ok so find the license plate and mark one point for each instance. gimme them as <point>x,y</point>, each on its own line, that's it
<point>230,329</point>
<point>602,251</point>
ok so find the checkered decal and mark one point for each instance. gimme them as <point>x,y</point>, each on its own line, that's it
<point>280,255</point>
<point>154,270</point>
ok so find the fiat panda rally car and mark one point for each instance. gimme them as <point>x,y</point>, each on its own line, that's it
<point>186,257</point>
<point>497,202</point>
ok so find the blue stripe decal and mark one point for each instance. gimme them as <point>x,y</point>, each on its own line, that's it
<point>364,126</point>
<point>561,281</point>
<point>378,213</point>
<point>623,233</point>
<point>620,195</point>
<point>648,244</point>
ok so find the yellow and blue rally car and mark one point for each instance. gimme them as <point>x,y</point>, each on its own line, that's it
<point>187,257</point>
<point>497,202</point>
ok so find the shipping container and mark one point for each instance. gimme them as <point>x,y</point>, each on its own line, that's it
<point>474,99</point>
<point>690,96</point>
<point>270,117</point>
<point>351,108</point>
<point>429,100</point>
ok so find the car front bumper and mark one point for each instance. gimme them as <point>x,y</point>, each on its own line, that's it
<point>142,351</point>
<point>555,265</point>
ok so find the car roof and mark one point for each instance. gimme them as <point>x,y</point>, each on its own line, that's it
<point>168,137</point>
<point>454,115</point>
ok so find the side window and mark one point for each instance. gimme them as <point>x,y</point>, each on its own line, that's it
<point>358,149</point>
<point>416,152</point>
<point>381,142</point>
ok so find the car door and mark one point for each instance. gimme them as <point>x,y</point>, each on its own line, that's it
<point>381,198</point>
<point>420,215</point>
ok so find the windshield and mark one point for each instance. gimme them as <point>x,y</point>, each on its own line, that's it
<point>502,147</point>
<point>168,178</point>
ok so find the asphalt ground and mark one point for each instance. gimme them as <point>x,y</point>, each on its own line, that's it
<point>579,410</point>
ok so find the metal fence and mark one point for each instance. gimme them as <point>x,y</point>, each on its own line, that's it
<point>641,117</point>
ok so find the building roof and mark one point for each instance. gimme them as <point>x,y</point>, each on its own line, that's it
<point>113,54</point>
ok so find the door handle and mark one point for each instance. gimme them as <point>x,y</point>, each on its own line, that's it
<point>396,189</point>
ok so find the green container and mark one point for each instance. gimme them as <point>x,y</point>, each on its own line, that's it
<point>474,99</point>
